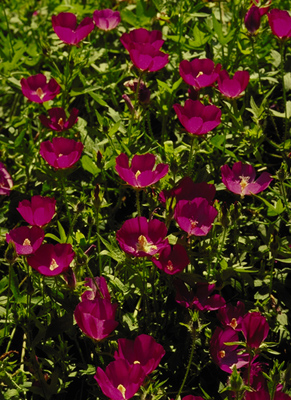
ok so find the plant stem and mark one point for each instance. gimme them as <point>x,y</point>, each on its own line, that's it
<point>283,86</point>
<point>138,206</point>
<point>188,366</point>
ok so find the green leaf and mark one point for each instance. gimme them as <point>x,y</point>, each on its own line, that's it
<point>98,99</point>
<point>62,233</point>
<point>89,165</point>
<point>54,237</point>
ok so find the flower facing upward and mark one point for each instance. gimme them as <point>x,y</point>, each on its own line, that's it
<point>65,27</point>
<point>27,240</point>
<point>141,173</point>
<point>199,72</point>
<point>172,260</point>
<point>196,118</point>
<point>36,88</point>
<point>6,182</point>
<point>233,88</point>
<point>61,152</point>
<point>255,329</point>
<point>140,238</point>
<point>147,57</point>
<point>142,36</point>
<point>232,316</point>
<point>58,121</point>
<point>39,211</point>
<point>106,19</point>
<point>280,23</point>
<point>241,179</point>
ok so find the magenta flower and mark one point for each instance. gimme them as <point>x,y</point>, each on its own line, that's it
<point>106,19</point>
<point>280,23</point>
<point>196,216</point>
<point>253,19</point>
<point>241,179</point>
<point>196,118</point>
<point>58,120</point>
<point>39,211</point>
<point>52,260</point>
<point>96,318</point>
<point>144,350</point>
<point>264,395</point>
<point>232,316</point>
<point>27,240</point>
<point>255,329</point>
<point>142,36</point>
<point>141,238</point>
<point>257,380</point>
<point>199,72</point>
<point>172,259</point>
<point>144,93</point>
<point>97,290</point>
<point>65,27</point>
<point>233,88</point>
<point>61,152</point>
<point>147,57</point>
<point>141,173</point>
<point>6,182</point>
<point>36,88</point>
<point>120,381</point>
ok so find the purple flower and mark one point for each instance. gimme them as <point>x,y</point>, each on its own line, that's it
<point>141,173</point>
<point>196,118</point>
<point>233,88</point>
<point>196,216</point>
<point>97,290</point>
<point>6,182</point>
<point>142,36</point>
<point>61,152</point>
<point>141,238</point>
<point>58,120</point>
<point>106,19</point>
<point>147,57</point>
<point>120,381</point>
<point>280,23</point>
<point>144,93</point>
<point>52,260</point>
<point>264,395</point>
<point>65,26</point>
<point>144,350</point>
<point>255,329</point>
<point>39,211</point>
<point>199,72</point>
<point>241,179</point>
<point>253,19</point>
<point>172,260</point>
<point>232,316</point>
<point>27,240</point>
<point>36,88</point>
<point>96,318</point>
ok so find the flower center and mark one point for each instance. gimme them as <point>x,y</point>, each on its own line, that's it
<point>170,265</point>
<point>144,245</point>
<point>233,323</point>
<point>122,390</point>
<point>193,223</point>
<point>40,93</point>
<point>137,174</point>
<point>244,181</point>
<point>60,155</point>
<point>61,122</point>
<point>221,354</point>
<point>26,242</point>
<point>136,362</point>
<point>53,265</point>
<point>199,74</point>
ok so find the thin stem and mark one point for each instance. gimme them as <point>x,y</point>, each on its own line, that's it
<point>138,206</point>
<point>256,61</point>
<point>283,86</point>
<point>188,367</point>
<point>64,193</point>
<point>190,160</point>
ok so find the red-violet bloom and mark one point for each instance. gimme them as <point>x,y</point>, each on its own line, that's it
<point>106,19</point>
<point>39,211</point>
<point>58,120</point>
<point>52,260</point>
<point>96,318</point>
<point>232,316</point>
<point>280,23</point>
<point>141,238</point>
<point>172,259</point>
<point>65,26</point>
<point>241,179</point>
<point>36,88</point>
<point>6,182</point>
<point>27,240</point>
<point>196,216</point>
<point>255,376</point>
<point>144,350</point>
<point>96,290</point>
<point>253,19</point>
<point>147,57</point>
<point>61,152</point>
<point>199,72</point>
<point>70,277</point>
<point>232,88</point>
<point>142,36</point>
<point>196,118</point>
<point>144,93</point>
<point>264,395</point>
<point>255,329</point>
<point>120,381</point>
<point>141,173</point>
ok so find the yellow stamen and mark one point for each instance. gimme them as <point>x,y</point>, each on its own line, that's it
<point>221,353</point>
<point>53,265</point>
<point>193,224</point>
<point>199,74</point>
<point>122,390</point>
<point>40,93</point>
<point>61,122</point>
<point>244,181</point>
<point>137,174</point>
<point>136,362</point>
<point>170,265</point>
<point>26,242</point>
<point>233,323</point>
<point>144,245</point>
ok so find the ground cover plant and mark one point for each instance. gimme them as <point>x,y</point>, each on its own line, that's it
<point>145,200</point>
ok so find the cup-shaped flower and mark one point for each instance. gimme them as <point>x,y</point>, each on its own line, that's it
<point>120,380</point>
<point>232,88</point>
<point>141,172</point>
<point>39,211</point>
<point>255,329</point>
<point>61,152</point>
<point>37,89</point>
<point>241,179</point>
<point>6,182</point>
<point>27,240</point>
<point>141,238</point>
<point>147,57</point>
<point>58,121</point>
<point>253,19</point>
<point>280,23</point>
<point>142,36</point>
<point>106,19</point>
<point>199,72</point>
<point>96,318</point>
<point>232,316</point>
<point>52,260</point>
<point>96,290</point>
<point>196,118</point>
<point>195,216</point>
<point>65,27</point>
<point>144,350</point>
<point>172,259</point>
